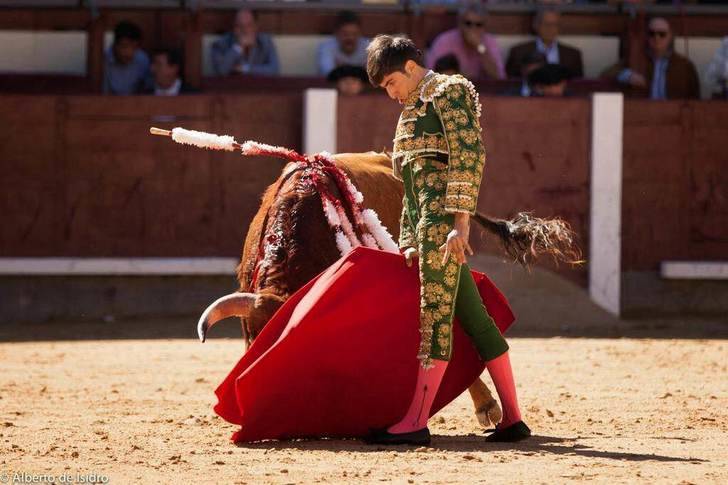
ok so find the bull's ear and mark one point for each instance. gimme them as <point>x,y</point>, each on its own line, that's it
<point>266,304</point>
<point>269,301</point>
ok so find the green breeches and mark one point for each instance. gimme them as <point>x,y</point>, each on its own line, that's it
<point>475,320</point>
<point>446,289</point>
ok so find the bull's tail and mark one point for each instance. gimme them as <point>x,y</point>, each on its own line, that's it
<point>525,238</point>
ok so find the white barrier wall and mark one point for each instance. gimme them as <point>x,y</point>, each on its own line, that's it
<point>605,216</point>
<point>43,52</point>
<point>117,266</point>
<point>319,124</point>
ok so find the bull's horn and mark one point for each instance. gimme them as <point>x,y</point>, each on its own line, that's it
<point>232,305</point>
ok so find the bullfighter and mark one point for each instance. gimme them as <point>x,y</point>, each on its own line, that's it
<point>439,156</point>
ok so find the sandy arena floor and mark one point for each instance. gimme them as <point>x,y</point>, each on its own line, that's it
<point>139,411</point>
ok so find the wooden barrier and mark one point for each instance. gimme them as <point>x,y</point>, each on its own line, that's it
<point>674,208</point>
<point>81,176</point>
<point>675,192</point>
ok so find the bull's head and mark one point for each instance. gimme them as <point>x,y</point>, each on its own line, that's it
<point>254,309</point>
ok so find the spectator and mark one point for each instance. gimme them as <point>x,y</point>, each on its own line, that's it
<point>346,47</point>
<point>447,65</point>
<point>245,50</point>
<point>530,63</point>
<point>476,50</point>
<point>716,75</point>
<point>167,74</point>
<point>669,75</point>
<point>549,80</point>
<point>126,66</point>
<point>350,80</point>
<point>546,26</point>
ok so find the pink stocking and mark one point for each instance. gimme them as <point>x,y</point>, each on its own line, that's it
<point>428,381</point>
<point>502,375</point>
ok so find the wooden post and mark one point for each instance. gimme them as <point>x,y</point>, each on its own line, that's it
<point>193,49</point>
<point>95,52</point>
<point>637,43</point>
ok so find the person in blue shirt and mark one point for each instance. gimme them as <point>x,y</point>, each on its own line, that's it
<point>346,48</point>
<point>126,65</point>
<point>245,50</point>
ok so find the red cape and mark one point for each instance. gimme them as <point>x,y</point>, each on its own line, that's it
<point>338,358</point>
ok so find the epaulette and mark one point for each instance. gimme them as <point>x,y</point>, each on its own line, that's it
<point>436,87</point>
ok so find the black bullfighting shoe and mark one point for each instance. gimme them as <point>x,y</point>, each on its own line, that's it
<point>383,437</point>
<point>516,432</point>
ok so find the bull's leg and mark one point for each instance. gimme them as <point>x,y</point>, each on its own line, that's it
<point>487,409</point>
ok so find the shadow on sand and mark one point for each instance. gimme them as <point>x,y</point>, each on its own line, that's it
<point>536,445</point>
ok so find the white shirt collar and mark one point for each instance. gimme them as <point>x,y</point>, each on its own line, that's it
<point>173,90</point>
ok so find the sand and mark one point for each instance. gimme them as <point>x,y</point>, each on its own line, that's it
<point>140,411</point>
<point>609,400</point>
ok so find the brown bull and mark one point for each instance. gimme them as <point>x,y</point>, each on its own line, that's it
<point>290,241</point>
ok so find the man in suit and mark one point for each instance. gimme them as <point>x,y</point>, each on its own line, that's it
<point>668,75</point>
<point>546,26</point>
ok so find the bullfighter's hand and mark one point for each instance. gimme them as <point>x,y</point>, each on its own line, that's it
<point>457,240</point>
<point>410,253</point>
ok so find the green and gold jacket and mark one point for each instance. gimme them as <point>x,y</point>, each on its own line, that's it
<point>441,120</point>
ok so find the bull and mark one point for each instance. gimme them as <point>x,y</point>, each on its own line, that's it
<point>290,241</point>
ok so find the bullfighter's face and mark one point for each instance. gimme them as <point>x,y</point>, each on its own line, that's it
<point>400,84</point>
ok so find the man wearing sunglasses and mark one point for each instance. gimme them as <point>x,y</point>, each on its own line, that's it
<point>668,76</point>
<point>476,51</point>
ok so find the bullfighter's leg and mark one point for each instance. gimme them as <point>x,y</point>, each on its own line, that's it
<point>475,320</point>
<point>493,349</point>
<point>438,286</point>
<point>436,308</point>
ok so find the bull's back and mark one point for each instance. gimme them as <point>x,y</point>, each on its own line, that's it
<point>371,172</point>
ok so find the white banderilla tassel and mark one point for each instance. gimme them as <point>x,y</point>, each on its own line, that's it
<point>204,140</point>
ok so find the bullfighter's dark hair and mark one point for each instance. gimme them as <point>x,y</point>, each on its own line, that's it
<point>389,53</point>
